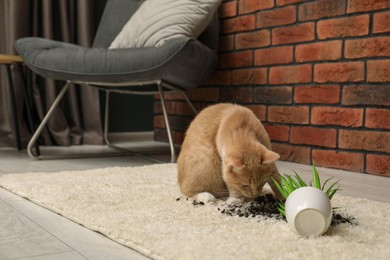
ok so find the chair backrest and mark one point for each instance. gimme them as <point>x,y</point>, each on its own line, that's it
<point>118,12</point>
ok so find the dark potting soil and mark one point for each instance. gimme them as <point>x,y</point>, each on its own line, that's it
<point>342,218</point>
<point>266,207</point>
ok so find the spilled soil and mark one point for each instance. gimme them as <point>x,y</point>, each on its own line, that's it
<point>266,207</point>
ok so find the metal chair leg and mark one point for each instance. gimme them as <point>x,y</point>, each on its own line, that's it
<point>13,107</point>
<point>29,106</point>
<point>38,132</point>
<point>173,152</point>
<point>106,118</point>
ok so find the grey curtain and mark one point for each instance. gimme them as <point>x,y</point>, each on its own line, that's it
<point>77,120</point>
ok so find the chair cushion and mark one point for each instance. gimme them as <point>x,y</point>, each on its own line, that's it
<point>181,61</point>
<point>157,21</point>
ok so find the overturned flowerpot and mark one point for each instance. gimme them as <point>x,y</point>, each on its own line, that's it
<point>308,211</point>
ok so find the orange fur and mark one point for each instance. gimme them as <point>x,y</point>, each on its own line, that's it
<point>226,152</point>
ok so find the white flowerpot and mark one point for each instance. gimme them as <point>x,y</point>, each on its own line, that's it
<point>308,211</point>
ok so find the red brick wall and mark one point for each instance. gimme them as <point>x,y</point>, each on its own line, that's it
<point>316,73</point>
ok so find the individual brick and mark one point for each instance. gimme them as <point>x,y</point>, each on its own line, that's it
<point>343,27</point>
<point>290,74</point>
<point>330,50</point>
<point>250,76</point>
<point>322,94</point>
<point>228,9</point>
<point>273,95</point>
<point>170,96</point>
<point>349,117</point>
<point>259,110</point>
<point>274,55</point>
<point>315,136</point>
<point>378,70</point>
<point>339,72</point>
<point>288,114</point>
<point>292,34</point>
<point>378,118</point>
<point>292,153</point>
<point>253,39</point>
<point>366,48</point>
<point>169,106</point>
<point>315,10</point>
<point>239,24</point>
<point>381,22</point>
<point>275,17</point>
<point>341,160</point>
<point>158,121</point>
<point>366,95</point>
<point>236,59</point>
<point>237,95</point>
<point>364,140</point>
<point>378,164</point>
<point>366,5</point>
<point>249,6</point>
<point>278,132</point>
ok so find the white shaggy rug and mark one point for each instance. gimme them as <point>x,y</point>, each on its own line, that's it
<point>138,207</point>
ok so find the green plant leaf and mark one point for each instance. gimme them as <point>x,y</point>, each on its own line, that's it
<point>327,180</point>
<point>280,188</point>
<point>282,211</point>
<point>302,183</point>
<point>332,193</point>
<point>316,178</point>
<point>294,184</point>
<point>281,208</point>
<point>330,189</point>
<point>286,185</point>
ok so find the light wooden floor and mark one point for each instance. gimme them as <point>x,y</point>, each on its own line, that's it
<point>28,231</point>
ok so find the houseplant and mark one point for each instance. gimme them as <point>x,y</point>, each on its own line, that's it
<point>307,206</point>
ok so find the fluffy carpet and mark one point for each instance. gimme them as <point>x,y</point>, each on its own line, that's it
<point>139,207</point>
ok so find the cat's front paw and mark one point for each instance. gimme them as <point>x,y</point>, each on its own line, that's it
<point>204,197</point>
<point>234,201</point>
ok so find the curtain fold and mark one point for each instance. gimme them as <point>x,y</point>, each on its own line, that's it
<point>77,120</point>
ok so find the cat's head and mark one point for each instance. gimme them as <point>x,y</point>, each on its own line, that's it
<point>249,169</point>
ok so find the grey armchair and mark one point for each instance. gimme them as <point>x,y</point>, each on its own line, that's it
<point>178,65</point>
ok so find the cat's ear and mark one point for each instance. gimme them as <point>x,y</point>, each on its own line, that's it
<point>268,157</point>
<point>234,163</point>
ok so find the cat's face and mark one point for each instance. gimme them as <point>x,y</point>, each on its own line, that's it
<point>248,172</point>
<point>249,181</point>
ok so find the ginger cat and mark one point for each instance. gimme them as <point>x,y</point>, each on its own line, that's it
<point>226,153</point>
